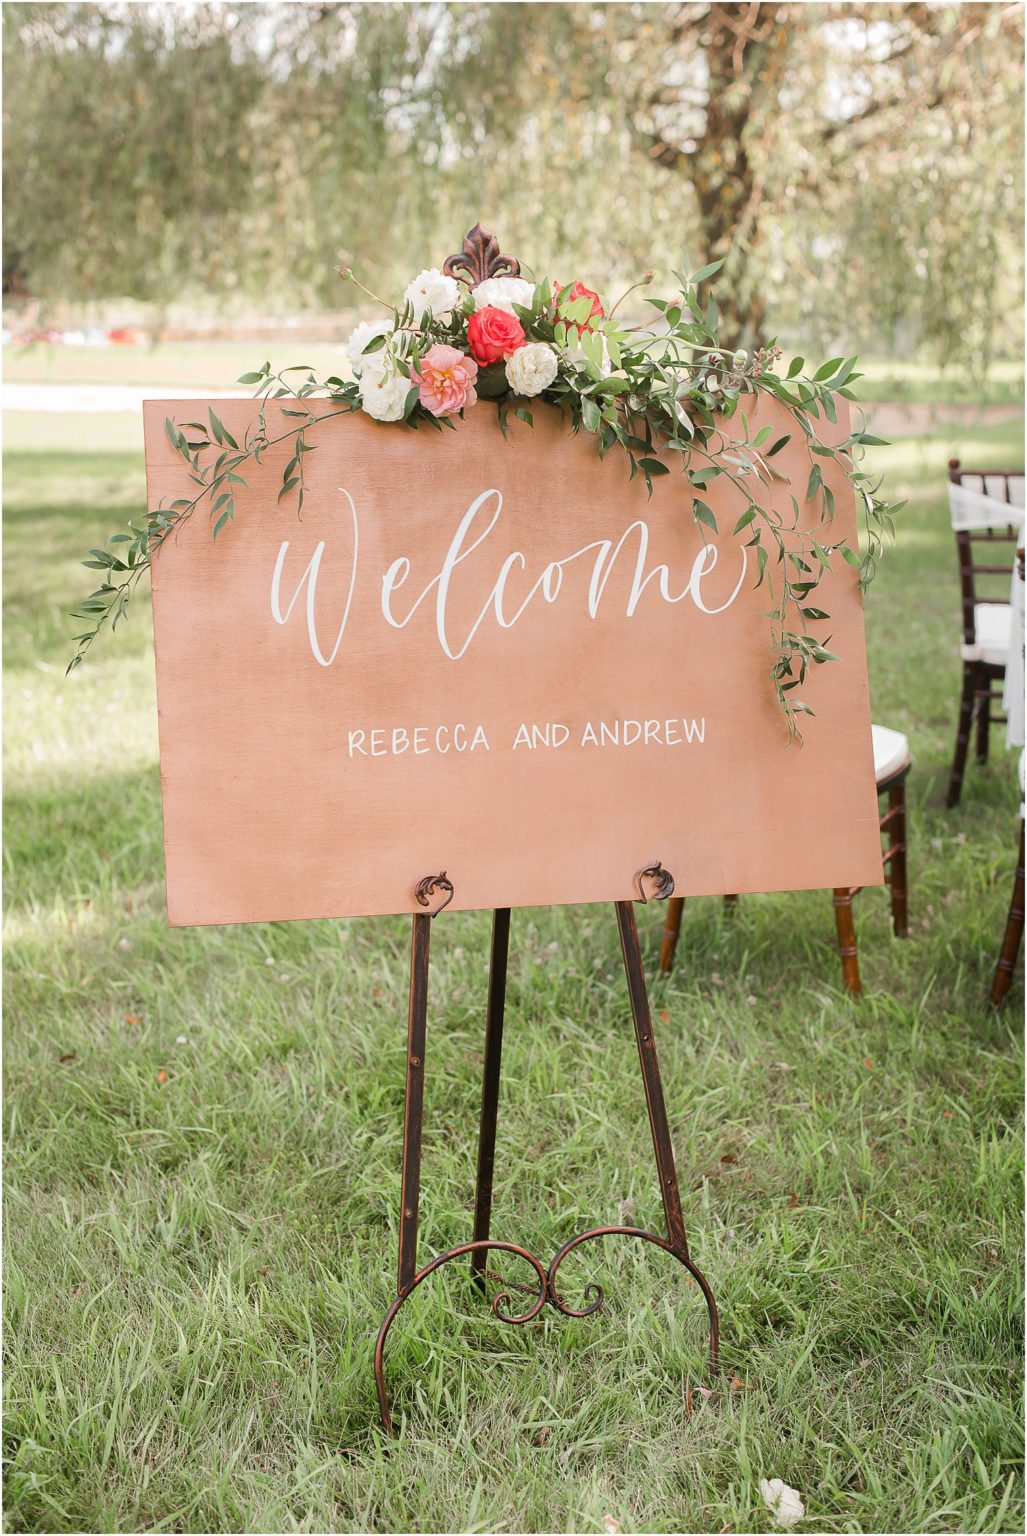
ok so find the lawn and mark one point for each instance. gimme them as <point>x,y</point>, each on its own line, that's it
<point>203,1127</point>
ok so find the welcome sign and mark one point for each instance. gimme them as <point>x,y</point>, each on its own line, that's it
<point>496,657</point>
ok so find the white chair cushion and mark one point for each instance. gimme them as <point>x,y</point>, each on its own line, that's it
<point>891,751</point>
<point>991,626</point>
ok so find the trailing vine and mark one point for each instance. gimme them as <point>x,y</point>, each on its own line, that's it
<point>657,394</point>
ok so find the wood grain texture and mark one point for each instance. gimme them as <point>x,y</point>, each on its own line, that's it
<point>268,816</point>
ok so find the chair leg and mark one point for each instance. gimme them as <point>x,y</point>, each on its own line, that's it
<point>966,710</point>
<point>671,932</point>
<point>983,720</point>
<point>1012,937</point>
<point>897,875</point>
<point>847,940</point>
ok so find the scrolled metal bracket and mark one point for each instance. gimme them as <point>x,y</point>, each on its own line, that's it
<point>663,878</point>
<point>543,1292</point>
<point>427,887</point>
<point>480,258</point>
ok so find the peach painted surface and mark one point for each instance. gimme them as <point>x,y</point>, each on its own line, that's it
<point>276,807</point>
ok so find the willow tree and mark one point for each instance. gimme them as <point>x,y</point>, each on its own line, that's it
<point>856,159</point>
<point>857,166</point>
<point>890,133</point>
<point>128,147</point>
<point>166,152</point>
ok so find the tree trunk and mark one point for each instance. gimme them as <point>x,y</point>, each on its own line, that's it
<point>742,56</point>
<point>744,47</point>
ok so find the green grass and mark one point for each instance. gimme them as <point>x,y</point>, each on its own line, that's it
<point>202,1155</point>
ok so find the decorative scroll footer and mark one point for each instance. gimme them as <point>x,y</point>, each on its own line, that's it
<point>543,1290</point>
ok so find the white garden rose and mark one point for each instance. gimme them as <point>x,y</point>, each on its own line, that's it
<point>383,394</point>
<point>432,290</point>
<point>531,369</point>
<point>503,293</point>
<point>366,331</point>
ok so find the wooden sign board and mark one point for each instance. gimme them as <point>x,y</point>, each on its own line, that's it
<point>495,657</point>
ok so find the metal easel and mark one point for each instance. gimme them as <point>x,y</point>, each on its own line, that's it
<point>409,1276</point>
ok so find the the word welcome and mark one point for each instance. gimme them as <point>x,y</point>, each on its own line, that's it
<point>485,511</point>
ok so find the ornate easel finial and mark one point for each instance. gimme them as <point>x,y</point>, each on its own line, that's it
<point>479,259</point>
<point>427,887</point>
<point>663,879</point>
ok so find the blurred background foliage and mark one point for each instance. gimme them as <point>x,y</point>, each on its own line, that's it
<point>859,166</point>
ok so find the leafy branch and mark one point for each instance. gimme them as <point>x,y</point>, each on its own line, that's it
<point>660,393</point>
<point>107,605</point>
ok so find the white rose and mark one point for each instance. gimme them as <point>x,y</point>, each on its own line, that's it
<point>365,332</point>
<point>382,394</point>
<point>503,293</point>
<point>432,290</point>
<point>783,1502</point>
<point>531,369</point>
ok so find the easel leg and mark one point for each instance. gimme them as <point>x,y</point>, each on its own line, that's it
<point>414,1117</point>
<point>490,1088</point>
<point>662,1145</point>
<point>650,1065</point>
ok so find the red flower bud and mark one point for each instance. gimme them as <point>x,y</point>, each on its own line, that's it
<point>564,295</point>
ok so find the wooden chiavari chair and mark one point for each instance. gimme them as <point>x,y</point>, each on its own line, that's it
<point>892,762</point>
<point>986,507</point>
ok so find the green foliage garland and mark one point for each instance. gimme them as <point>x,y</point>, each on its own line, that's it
<point>656,394</point>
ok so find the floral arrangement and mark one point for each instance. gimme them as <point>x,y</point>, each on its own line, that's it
<point>505,337</point>
<point>478,329</point>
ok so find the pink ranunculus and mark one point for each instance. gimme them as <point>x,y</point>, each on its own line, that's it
<point>445,380</point>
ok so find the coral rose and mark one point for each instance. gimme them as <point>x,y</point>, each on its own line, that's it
<point>492,335</point>
<point>445,380</point>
